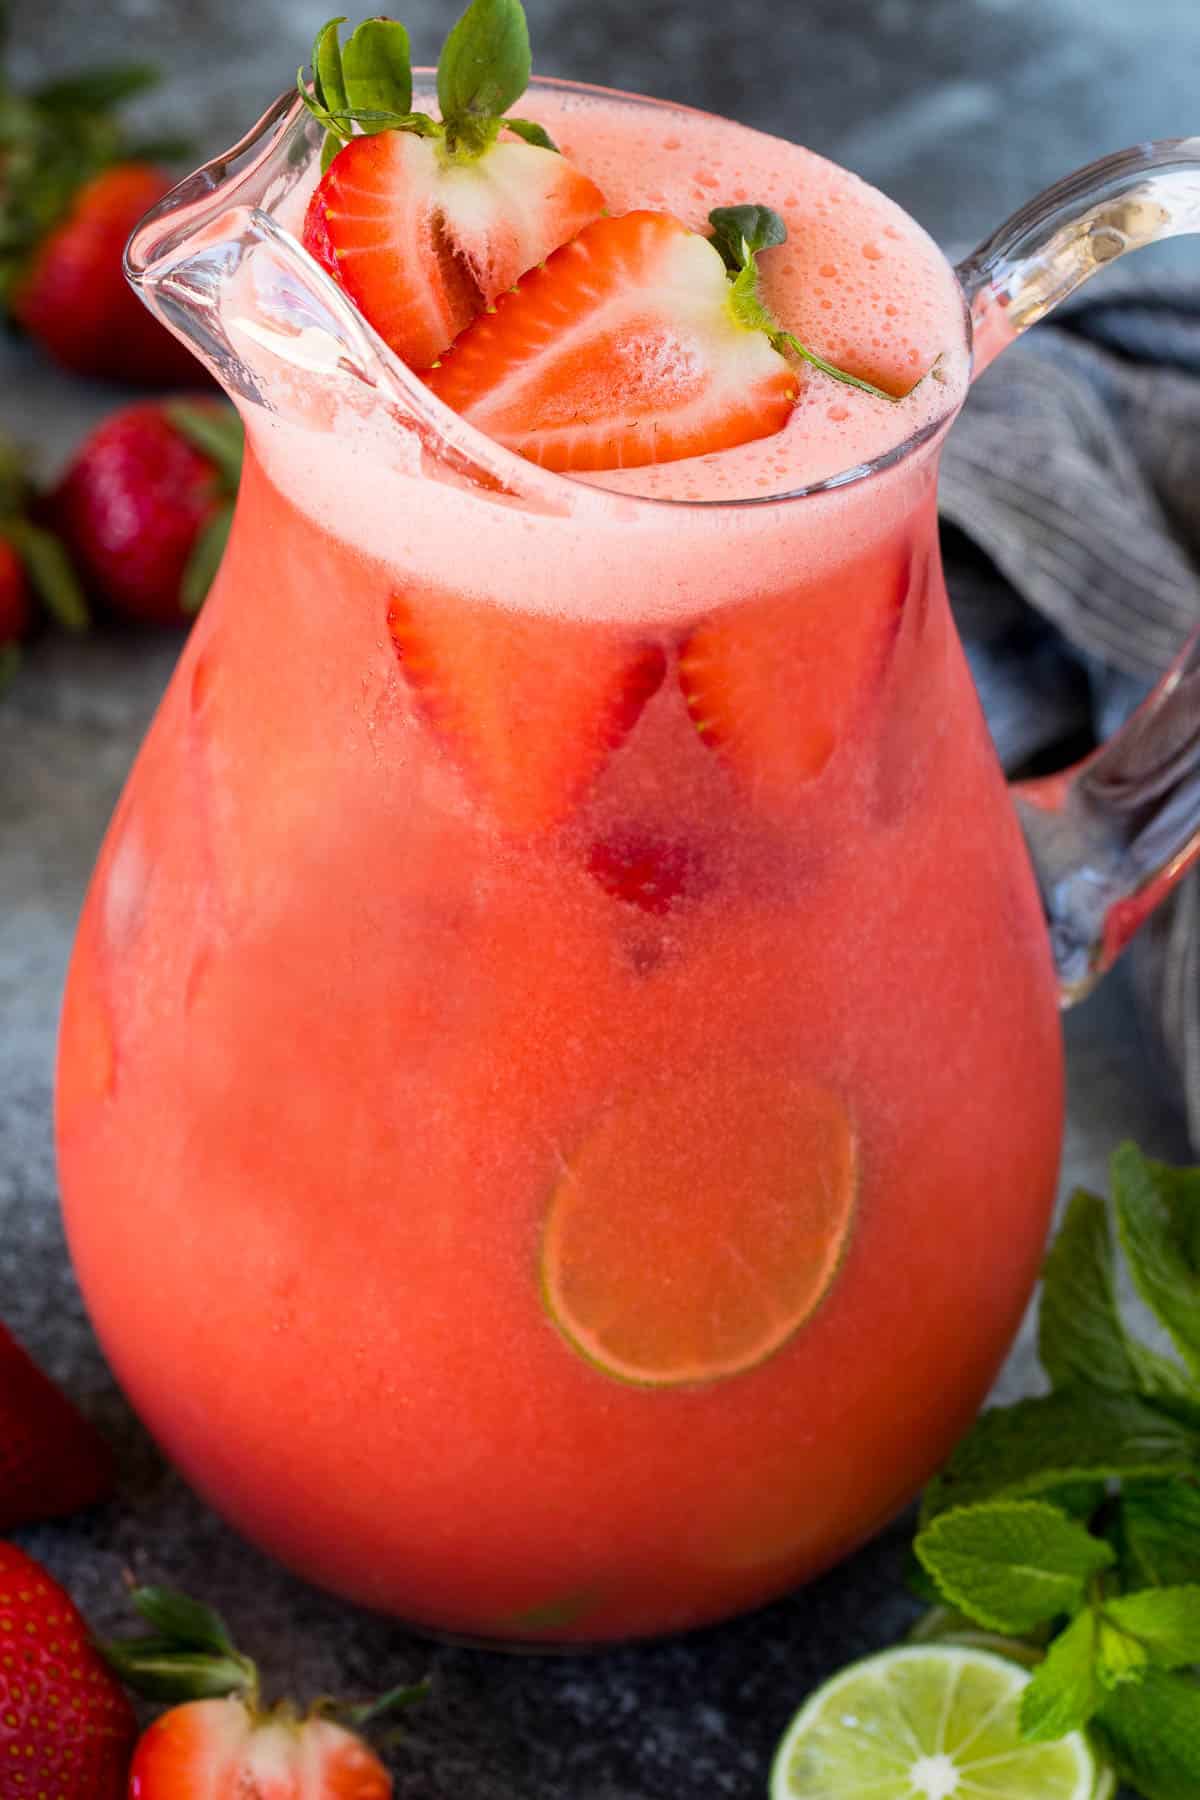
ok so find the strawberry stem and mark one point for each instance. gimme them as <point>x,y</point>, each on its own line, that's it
<point>739,234</point>
<point>366,83</point>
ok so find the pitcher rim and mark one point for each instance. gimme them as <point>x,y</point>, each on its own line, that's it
<point>146,244</point>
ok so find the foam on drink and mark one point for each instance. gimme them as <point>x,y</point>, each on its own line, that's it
<point>858,281</point>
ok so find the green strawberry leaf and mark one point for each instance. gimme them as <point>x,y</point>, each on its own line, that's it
<point>1164,1622</point>
<point>1073,1434</point>
<point>532,132</point>
<point>216,431</point>
<point>1158,1211</point>
<point>397,1699</point>
<point>1011,1564</point>
<point>96,90</point>
<point>10,662</point>
<point>329,84</point>
<point>1158,1530</point>
<point>377,68</point>
<point>186,1623</point>
<point>201,569</point>
<point>1151,1732</point>
<point>740,232</point>
<point>1080,1335</point>
<point>50,572</point>
<point>484,69</point>
<point>1064,1691</point>
<point>158,1670</point>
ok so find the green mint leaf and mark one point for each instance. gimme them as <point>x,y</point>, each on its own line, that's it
<point>1078,1498</point>
<point>1080,1336</point>
<point>1164,1621</point>
<point>740,232</point>
<point>187,1623</point>
<point>1158,1212</point>
<point>1073,1434</point>
<point>1158,1528</point>
<point>216,431</point>
<point>201,568</point>
<point>1010,1564</point>
<point>50,571</point>
<point>919,1582</point>
<point>1119,1657</point>
<point>532,132</point>
<point>329,84</point>
<point>1064,1691</point>
<point>377,71</point>
<point>484,67</point>
<point>1151,1732</point>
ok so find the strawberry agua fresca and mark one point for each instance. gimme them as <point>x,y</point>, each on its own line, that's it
<point>560,1088</point>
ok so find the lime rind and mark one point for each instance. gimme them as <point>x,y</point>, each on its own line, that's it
<point>927,1722</point>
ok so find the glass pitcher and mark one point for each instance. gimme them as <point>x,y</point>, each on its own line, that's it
<point>540,1172</point>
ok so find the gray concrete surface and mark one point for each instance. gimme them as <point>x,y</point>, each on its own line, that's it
<point>960,108</point>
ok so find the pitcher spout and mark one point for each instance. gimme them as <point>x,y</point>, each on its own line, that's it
<point>219,262</point>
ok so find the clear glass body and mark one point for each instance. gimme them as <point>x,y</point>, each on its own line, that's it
<point>349,1027</point>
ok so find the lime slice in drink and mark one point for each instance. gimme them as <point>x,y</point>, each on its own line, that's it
<point>699,1222</point>
<point>928,1722</point>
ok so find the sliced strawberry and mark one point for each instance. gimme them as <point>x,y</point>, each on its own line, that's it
<point>220,1750</point>
<point>422,243</point>
<point>530,707</point>
<point>776,685</point>
<point>622,349</point>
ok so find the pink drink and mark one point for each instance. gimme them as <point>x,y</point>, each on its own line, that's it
<point>540,1167</point>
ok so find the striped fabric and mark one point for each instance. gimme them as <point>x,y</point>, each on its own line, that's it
<point>1071,506</point>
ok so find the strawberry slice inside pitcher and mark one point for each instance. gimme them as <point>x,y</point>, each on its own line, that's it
<point>529,708</point>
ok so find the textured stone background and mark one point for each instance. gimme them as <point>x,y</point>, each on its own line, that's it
<point>961,108</point>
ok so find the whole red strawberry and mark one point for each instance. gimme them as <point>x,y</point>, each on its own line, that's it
<point>66,1728</point>
<point>221,1742</point>
<point>72,188</point>
<point>72,295</point>
<point>51,1460</point>
<point>145,506</point>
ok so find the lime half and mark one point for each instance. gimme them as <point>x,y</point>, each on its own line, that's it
<point>927,1722</point>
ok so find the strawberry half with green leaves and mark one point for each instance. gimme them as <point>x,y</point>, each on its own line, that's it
<point>221,1742</point>
<point>638,342</point>
<point>425,221</point>
<point>66,1728</point>
<point>52,1461</point>
<point>146,505</point>
<point>529,707</point>
<point>72,188</point>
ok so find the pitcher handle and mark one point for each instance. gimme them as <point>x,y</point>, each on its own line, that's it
<point>1111,837</point>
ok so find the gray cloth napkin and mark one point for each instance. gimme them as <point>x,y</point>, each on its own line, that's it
<point>1070,500</point>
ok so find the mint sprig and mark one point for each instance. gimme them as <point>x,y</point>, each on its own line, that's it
<point>1078,1513</point>
<point>365,84</point>
<point>739,234</point>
